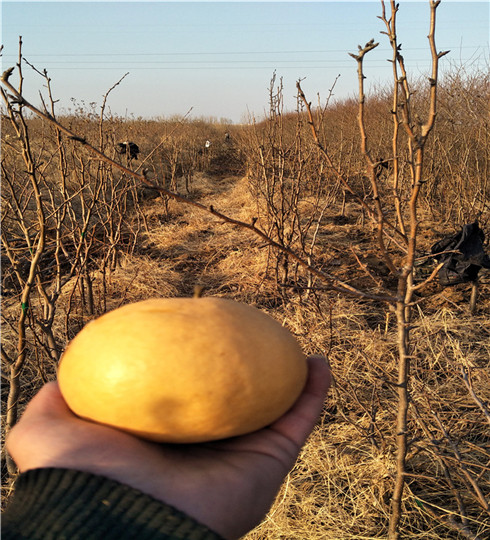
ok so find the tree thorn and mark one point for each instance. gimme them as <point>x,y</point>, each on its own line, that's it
<point>6,74</point>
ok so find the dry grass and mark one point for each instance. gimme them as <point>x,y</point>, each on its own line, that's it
<point>341,485</point>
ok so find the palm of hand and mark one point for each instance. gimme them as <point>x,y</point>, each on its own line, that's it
<point>227,485</point>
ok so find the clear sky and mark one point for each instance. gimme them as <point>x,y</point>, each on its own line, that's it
<point>218,57</point>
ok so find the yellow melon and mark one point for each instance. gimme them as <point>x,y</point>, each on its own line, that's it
<point>183,370</point>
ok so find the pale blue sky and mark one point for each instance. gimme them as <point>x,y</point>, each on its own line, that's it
<point>218,57</point>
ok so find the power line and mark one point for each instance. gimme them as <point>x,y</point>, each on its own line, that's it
<point>221,53</point>
<point>210,63</point>
<point>200,68</point>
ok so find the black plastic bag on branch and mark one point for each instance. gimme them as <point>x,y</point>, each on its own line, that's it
<point>462,254</point>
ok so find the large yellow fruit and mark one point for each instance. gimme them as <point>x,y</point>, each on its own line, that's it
<point>183,369</point>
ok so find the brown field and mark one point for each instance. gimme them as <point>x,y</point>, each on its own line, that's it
<point>109,240</point>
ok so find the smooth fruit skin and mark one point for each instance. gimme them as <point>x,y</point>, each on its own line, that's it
<point>183,370</point>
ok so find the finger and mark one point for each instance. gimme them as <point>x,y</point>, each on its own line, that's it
<point>300,420</point>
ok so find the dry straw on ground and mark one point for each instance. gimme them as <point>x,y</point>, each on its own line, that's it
<point>342,483</point>
<point>136,245</point>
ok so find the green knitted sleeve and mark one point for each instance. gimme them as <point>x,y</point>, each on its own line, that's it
<point>57,504</point>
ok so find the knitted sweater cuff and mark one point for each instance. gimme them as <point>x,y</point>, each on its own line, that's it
<point>61,503</point>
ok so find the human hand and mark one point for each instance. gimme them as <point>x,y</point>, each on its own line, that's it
<point>227,485</point>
